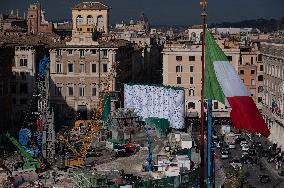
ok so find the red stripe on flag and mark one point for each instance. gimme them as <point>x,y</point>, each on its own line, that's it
<point>245,115</point>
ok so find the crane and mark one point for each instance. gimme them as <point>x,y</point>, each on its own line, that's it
<point>148,166</point>
<point>32,163</point>
<point>79,159</point>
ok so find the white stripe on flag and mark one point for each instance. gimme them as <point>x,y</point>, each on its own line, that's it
<point>229,79</point>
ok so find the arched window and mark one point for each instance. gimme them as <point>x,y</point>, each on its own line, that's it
<point>90,20</point>
<point>193,37</point>
<point>79,20</point>
<point>100,23</point>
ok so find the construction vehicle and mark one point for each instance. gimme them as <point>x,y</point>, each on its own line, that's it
<point>31,163</point>
<point>148,166</point>
<point>77,160</point>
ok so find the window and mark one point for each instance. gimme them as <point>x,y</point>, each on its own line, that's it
<point>191,68</point>
<point>70,67</point>
<point>81,40</point>
<point>179,68</point>
<point>88,29</point>
<point>191,92</point>
<point>70,52</point>
<point>82,91</point>
<point>23,101</point>
<point>82,53</point>
<point>59,68</point>
<point>191,80</point>
<point>193,37</point>
<point>251,60</point>
<point>79,20</point>
<point>260,89</point>
<point>23,88</point>
<point>23,62</point>
<point>104,67</point>
<point>178,80</point>
<point>179,58</point>
<point>243,80</point>
<point>215,105</point>
<point>23,75</point>
<point>261,68</point>
<point>252,71</point>
<point>70,91</point>
<point>90,20</point>
<point>94,68</point>
<point>260,78</point>
<point>105,53</point>
<point>82,68</point>
<point>191,58</point>
<point>58,52</point>
<point>259,57</point>
<point>259,100</point>
<point>191,105</point>
<point>230,58</point>
<point>252,82</point>
<point>242,72</point>
<point>59,91</point>
<point>94,91</point>
<point>94,51</point>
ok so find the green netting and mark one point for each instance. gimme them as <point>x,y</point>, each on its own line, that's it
<point>106,108</point>
<point>161,124</point>
<point>213,52</point>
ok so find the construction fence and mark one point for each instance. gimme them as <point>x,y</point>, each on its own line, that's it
<point>185,179</point>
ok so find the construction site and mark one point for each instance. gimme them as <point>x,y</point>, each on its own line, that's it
<point>143,144</point>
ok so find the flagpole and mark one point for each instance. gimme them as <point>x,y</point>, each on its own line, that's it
<point>209,144</point>
<point>203,4</point>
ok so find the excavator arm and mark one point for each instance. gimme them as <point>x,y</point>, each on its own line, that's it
<point>16,143</point>
<point>61,138</point>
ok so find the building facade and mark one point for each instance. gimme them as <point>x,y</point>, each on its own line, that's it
<point>249,72</point>
<point>182,67</point>
<point>36,20</point>
<point>89,19</point>
<point>273,93</point>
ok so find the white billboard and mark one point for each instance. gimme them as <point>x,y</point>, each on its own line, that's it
<point>156,101</point>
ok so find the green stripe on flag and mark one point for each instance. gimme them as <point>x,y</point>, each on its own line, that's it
<point>213,52</point>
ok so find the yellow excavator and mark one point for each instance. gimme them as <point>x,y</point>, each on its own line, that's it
<point>79,158</point>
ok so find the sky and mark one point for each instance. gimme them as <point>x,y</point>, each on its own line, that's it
<point>162,12</point>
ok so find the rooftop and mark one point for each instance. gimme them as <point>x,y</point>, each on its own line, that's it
<point>90,6</point>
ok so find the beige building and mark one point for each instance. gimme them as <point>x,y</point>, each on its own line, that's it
<point>182,67</point>
<point>250,71</point>
<point>84,67</point>
<point>273,94</point>
<point>89,17</point>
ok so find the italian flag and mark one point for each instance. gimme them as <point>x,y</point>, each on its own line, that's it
<point>223,83</point>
